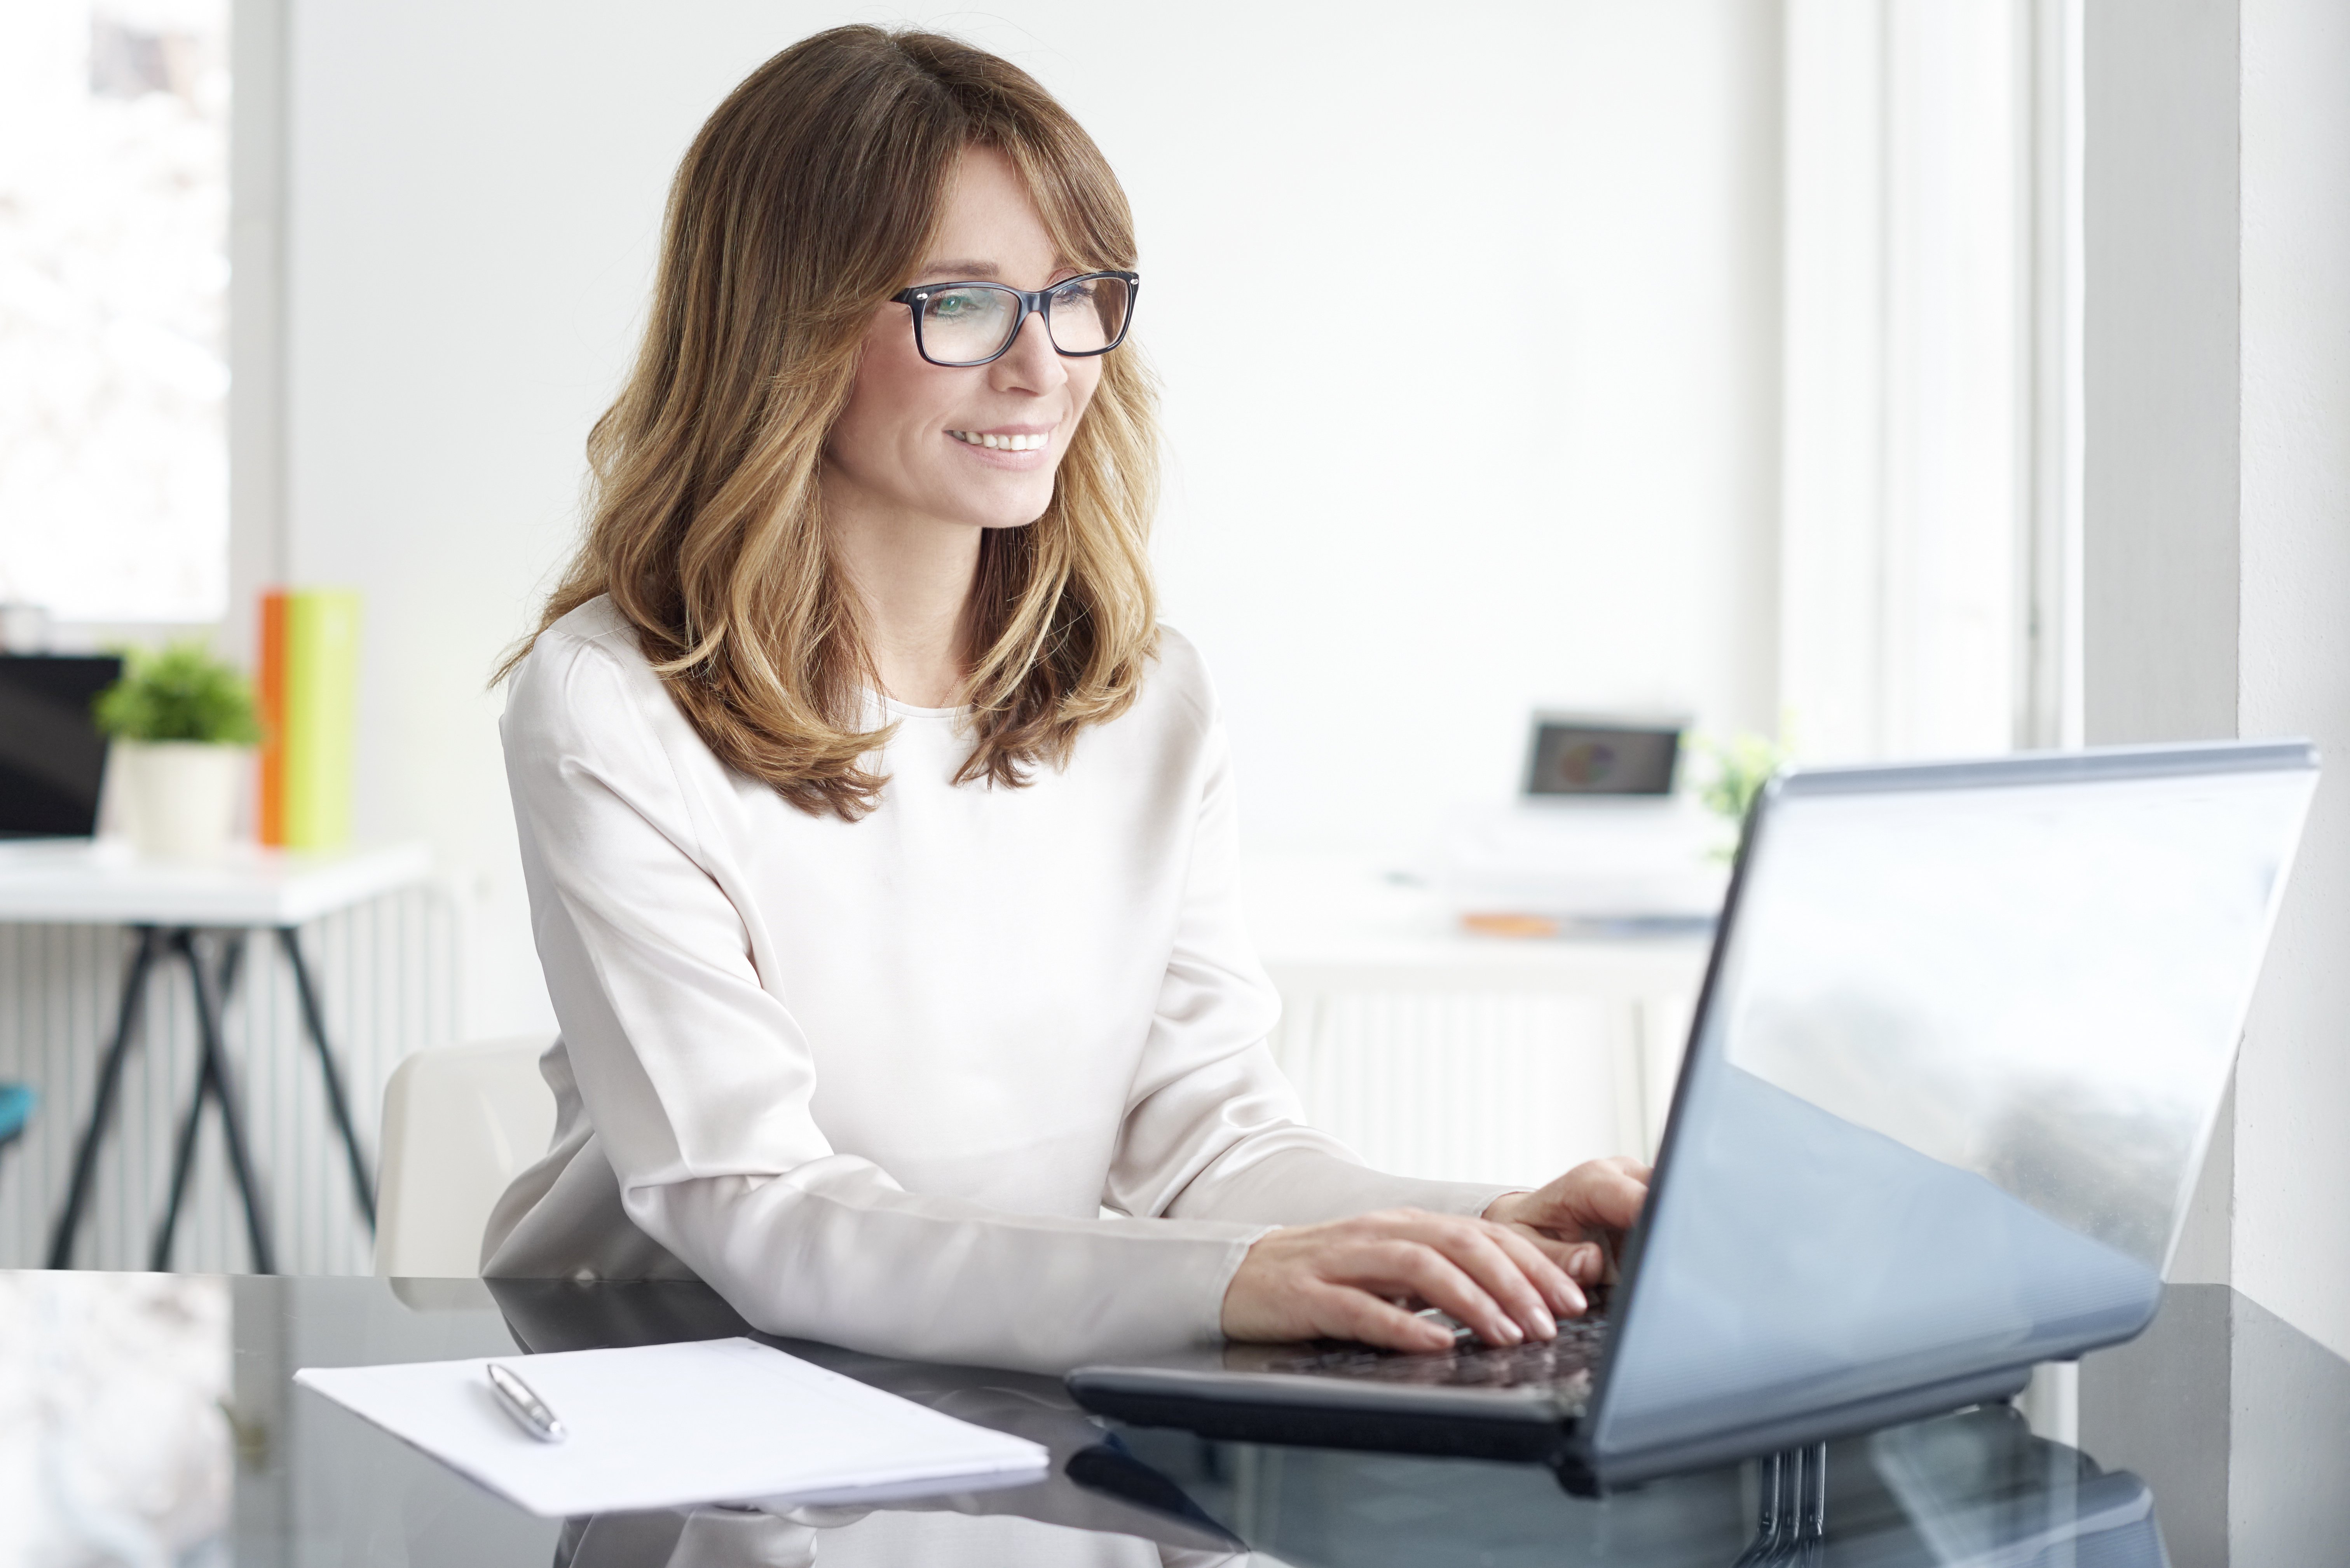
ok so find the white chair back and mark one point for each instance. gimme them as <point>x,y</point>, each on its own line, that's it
<point>459,1122</point>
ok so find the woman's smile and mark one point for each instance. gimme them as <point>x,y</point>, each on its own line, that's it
<point>1008,446</point>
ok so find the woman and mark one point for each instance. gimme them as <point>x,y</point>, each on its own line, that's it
<point>880,845</point>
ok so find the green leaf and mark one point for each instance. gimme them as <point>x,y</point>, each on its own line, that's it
<point>1740,767</point>
<point>181,693</point>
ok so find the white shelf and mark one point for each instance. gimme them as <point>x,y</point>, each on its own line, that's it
<point>81,882</point>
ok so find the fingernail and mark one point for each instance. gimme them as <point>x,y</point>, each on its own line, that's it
<point>1511,1334</point>
<point>1545,1325</point>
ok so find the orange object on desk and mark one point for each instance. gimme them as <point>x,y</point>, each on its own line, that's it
<point>1509,925</point>
<point>270,690</point>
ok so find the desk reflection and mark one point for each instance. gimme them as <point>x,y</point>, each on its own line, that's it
<point>168,1402</point>
<point>1976,1487</point>
<point>725,1538</point>
<point>1099,1503</point>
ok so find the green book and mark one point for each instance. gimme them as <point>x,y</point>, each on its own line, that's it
<point>322,682</point>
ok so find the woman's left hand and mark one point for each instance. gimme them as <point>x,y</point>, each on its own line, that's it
<point>1591,1207</point>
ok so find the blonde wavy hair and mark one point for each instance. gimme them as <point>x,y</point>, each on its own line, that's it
<point>807,200</point>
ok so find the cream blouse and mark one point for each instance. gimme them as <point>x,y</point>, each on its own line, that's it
<point>980,1078</point>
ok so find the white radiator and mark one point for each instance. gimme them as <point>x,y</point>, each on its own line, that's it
<point>1438,1053</point>
<point>1483,1086</point>
<point>386,972</point>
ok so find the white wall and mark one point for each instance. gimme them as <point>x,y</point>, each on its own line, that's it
<point>2161,219</point>
<point>1530,460</point>
<point>2159,470</point>
<point>2218,536</point>
<point>2293,1085</point>
<point>1535,459</point>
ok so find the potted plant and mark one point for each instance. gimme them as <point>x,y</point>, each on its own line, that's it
<point>1740,766</point>
<point>181,721</point>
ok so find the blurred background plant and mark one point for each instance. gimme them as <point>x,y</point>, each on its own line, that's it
<point>179,694</point>
<point>1735,769</point>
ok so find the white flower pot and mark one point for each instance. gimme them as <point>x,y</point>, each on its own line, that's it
<point>180,797</point>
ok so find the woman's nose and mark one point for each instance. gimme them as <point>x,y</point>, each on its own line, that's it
<point>1031,364</point>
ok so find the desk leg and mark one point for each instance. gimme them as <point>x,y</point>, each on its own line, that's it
<point>109,1078</point>
<point>1793,1530</point>
<point>184,1156</point>
<point>361,1182</point>
<point>215,1066</point>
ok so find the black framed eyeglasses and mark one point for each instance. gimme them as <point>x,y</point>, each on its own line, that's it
<point>960,324</point>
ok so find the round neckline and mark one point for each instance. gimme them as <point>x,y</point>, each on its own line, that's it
<point>907,710</point>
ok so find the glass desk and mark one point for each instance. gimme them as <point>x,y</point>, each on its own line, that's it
<point>163,1405</point>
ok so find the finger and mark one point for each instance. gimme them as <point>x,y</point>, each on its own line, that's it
<point>1412,1276</point>
<point>1518,1278</point>
<point>1476,1248</point>
<point>1437,1279</point>
<point>1546,1273</point>
<point>1618,1196</point>
<point>1344,1312</point>
<point>1600,1195</point>
<point>1580,1261</point>
<point>1646,1176</point>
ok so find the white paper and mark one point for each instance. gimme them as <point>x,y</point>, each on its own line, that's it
<point>666,1426</point>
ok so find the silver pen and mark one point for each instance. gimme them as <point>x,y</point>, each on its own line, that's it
<point>529,1411</point>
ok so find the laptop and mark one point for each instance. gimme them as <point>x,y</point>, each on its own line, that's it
<point>52,756</point>
<point>1962,1040</point>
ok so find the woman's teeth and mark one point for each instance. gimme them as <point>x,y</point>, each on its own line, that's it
<point>1003,442</point>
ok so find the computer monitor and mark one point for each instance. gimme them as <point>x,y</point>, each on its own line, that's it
<point>52,756</point>
<point>1573,757</point>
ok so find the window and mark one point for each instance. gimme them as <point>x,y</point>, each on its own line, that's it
<point>113,309</point>
<point>1930,488</point>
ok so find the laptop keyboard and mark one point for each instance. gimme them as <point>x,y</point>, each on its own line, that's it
<point>1562,1363</point>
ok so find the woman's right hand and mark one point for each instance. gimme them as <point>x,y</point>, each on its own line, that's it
<point>1362,1278</point>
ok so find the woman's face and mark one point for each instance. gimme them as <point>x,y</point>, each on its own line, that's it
<point>911,443</point>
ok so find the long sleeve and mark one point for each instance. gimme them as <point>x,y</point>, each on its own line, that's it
<point>696,1084</point>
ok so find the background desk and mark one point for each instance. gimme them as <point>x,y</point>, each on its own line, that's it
<point>375,981</point>
<point>312,1484</point>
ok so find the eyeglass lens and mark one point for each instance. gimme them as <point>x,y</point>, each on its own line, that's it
<point>974,321</point>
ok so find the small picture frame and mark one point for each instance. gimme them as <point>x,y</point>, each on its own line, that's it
<point>1578,755</point>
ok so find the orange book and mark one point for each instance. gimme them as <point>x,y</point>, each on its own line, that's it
<point>270,690</point>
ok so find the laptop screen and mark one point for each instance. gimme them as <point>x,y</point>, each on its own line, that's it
<point>52,757</point>
<point>1948,1094</point>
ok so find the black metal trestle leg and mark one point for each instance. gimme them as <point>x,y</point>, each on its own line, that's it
<point>212,1077</point>
<point>183,1157</point>
<point>109,1079</point>
<point>314,1021</point>
<point>214,1083</point>
<point>183,1154</point>
<point>1793,1529</point>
